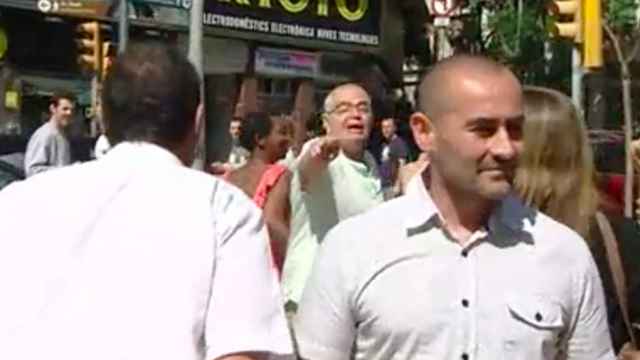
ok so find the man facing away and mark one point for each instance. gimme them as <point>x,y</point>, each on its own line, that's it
<point>334,178</point>
<point>49,147</point>
<point>458,268</point>
<point>136,256</point>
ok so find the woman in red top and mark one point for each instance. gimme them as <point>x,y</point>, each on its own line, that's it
<point>268,139</point>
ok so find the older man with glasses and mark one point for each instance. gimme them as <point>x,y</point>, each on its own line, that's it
<point>334,178</point>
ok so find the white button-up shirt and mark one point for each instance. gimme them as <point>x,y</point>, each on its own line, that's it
<point>134,256</point>
<point>393,284</point>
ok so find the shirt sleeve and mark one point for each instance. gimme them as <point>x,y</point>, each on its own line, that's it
<point>589,339</point>
<point>324,325</point>
<point>400,150</point>
<point>246,310</point>
<point>38,155</point>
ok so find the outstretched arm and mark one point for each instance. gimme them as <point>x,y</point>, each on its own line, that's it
<point>315,158</point>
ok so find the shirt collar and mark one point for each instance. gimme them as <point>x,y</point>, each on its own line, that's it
<point>134,152</point>
<point>511,212</point>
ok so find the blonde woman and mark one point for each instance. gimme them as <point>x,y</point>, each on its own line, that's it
<point>556,175</point>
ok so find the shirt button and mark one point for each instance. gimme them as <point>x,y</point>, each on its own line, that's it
<point>538,317</point>
<point>465,356</point>
<point>465,253</point>
<point>465,303</point>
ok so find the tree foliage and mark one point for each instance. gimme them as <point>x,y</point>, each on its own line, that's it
<point>515,32</point>
<point>621,15</point>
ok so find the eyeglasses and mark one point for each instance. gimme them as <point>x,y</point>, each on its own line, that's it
<point>345,108</point>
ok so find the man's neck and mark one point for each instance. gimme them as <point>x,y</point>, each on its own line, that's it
<point>354,152</point>
<point>56,124</point>
<point>463,214</point>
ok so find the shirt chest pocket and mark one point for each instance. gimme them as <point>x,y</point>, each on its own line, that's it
<point>535,323</point>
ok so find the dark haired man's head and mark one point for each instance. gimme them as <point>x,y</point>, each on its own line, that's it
<point>62,107</point>
<point>235,129</point>
<point>267,134</point>
<point>152,93</point>
<point>388,128</point>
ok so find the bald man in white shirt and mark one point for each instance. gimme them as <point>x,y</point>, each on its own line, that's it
<point>458,268</point>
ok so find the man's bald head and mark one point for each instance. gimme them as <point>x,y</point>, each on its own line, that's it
<point>330,102</point>
<point>439,87</point>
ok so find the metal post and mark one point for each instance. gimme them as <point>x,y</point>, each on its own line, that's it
<point>195,35</point>
<point>96,128</point>
<point>576,80</point>
<point>123,26</point>
<point>628,131</point>
<point>196,58</point>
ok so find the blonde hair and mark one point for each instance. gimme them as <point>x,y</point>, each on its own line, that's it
<point>556,173</point>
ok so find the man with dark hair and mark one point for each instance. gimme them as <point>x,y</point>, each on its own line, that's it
<point>458,268</point>
<point>238,154</point>
<point>137,256</point>
<point>393,156</point>
<point>49,147</point>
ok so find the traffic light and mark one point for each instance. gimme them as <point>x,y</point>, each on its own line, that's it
<point>89,45</point>
<point>581,22</point>
<point>592,34</point>
<point>567,19</point>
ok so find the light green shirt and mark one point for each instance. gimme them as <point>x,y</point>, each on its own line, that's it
<point>346,189</point>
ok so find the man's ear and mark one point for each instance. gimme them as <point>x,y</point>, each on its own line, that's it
<point>52,108</point>
<point>259,141</point>
<point>325,123</point>
<point>423,130</point>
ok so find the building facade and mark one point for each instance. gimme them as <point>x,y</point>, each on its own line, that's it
<point>277,55</point>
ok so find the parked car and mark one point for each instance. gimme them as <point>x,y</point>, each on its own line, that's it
<point>11,169</point>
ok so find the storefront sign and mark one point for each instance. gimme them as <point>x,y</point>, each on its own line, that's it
<point>278,62</point>
<point>74,7</point>
<point>343,21</point>
<point>180,4</point>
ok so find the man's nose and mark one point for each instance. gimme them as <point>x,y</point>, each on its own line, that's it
<point>354,111</point>
<point>503,146</point>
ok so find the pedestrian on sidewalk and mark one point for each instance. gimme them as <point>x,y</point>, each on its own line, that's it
<point>49,147</point>
<point>263,179</point>
<point>137,256</point>
<point>459,268</point>
<point>557,175</point>
<point>334,178</point>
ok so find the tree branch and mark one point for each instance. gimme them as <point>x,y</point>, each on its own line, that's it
<point>636,46</point>
<point>616,43</point>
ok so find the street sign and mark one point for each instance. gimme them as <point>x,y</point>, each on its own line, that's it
<point>79,8</point>
<point>442,8</point>
<point>181,4</point>
<point>442,21</point>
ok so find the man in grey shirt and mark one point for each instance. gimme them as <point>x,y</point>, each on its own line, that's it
<point>49,147</point>
<point>458,268</point>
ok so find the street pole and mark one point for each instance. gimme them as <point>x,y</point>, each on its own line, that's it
<point>195,35</point>
<point>628,132</point>
<point>576,80</point>
<point>196,58</point>
<point>123,26</point>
